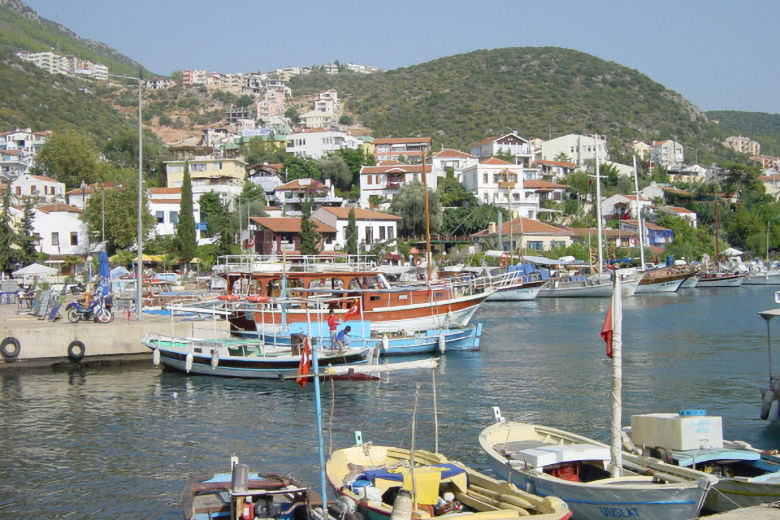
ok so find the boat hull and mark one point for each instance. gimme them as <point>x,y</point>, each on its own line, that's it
<point>634,496</point>
<point>659,285</point>
<point>575,290</point>
<point>762,278</point>
<point>721,281</point>
<point>524,293</point>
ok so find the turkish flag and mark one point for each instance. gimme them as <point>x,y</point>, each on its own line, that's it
<point>606,331</point>
<point>352,312</point>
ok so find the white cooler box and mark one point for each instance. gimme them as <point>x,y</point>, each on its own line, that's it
<point>677,432</point>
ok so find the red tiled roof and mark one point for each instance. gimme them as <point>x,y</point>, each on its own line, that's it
<point>494,160</point>
<point>677,191</point>
<point>296,185</point>
<point>165,201</point>
<point>58,207</point>
<point>396,166</point>
<point>289,224</point>
<point>677,209</point>
<point>90,188</point>
<point>486,140</point>
<point>561,164</point>
<point>161,191</point>
<point>360,214</point>
<point>400,140</point>
<point>449,152</point>
<point>540,184</point>
<point>648,225</point>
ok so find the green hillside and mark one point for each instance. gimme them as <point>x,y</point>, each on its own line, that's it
<point>760,126</point>
<point>537,91</point>
<point>22,29</point>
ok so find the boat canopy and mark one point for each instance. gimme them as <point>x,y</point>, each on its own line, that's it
<point>550,261</point>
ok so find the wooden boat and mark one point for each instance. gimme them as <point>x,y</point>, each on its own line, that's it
<point>720,279</point>
<point>663,279</point>
<point>395,343</point>
<point>244,494</point>
<point>549,461</point>
<point>691,439</point>
<point>242,357</point>
<point>388,308</point>
<point>371,477</point>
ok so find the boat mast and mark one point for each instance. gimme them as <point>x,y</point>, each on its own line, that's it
<point>427,219</point>
<point>616,449</point>
<point>598,201</point>
<point>639,217</point>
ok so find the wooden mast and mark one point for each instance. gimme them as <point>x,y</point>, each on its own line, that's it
<point>427,219</point>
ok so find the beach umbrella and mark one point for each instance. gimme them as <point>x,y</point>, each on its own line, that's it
<point>104,271</point>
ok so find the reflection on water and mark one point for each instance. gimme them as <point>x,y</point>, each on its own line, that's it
<point>121,440</point>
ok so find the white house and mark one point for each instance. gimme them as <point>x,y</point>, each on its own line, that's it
<point>222,175</point>
<point>18,149</point>
<point>291,195</point>
<point>39,186</point>
<point>165,205</point>
<point>455,159</point>
<point>266,176</point>
<point>80,196</point>
<point>372,226</point>
<point>387,178</point>
<point>60,230</point>
<point>685,213</point>
<point>317,143</point>
<point>575,148</point>
<point>667,153</point>
<point>554,170</point>
<point>510,144</point>
<point>623,206</point>
<point>494,181</point>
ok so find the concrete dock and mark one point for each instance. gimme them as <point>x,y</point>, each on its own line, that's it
<point>46,343</point>
<point>770,511</point>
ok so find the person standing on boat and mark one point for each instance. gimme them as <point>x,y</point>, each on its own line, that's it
<point>342,338</point>
<point>333,325</point>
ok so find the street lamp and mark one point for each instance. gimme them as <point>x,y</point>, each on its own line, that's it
<point>139,266</point>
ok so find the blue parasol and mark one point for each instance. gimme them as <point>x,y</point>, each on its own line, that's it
<point>104,271</point>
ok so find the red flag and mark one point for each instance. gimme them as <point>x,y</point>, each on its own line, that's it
<point>606,331</point>
<point>303,364</point>
<point>352,312</point>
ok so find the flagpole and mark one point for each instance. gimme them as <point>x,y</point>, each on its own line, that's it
<point>616,451</point>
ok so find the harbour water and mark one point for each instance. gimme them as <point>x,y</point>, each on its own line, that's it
<point>119,442</point>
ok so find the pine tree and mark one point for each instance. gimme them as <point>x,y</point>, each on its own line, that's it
<point>309,235</point>
<point>352,233</point>
<point>25,239</point>
<point>185,243</point>
<point>7,233</point>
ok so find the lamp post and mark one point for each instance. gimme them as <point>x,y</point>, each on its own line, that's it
<point>139,238</point>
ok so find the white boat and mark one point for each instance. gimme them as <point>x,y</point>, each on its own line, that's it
<point>746,476</point>
<point>770,396</point>
<point>549,461</point>
<point>663,279</point>
<point>593,286</point>
<point>719,279</point>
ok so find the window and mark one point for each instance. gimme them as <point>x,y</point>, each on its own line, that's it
<point>557,243</point>
<point>55,239</point>
<point>173,216</point>
<point>390,232</point>
<point>381,232</point>
<point>198,167</point>
<point>369,235</point>
<point>74,238</point>
<point>160,216</point>
<point>536,245</point>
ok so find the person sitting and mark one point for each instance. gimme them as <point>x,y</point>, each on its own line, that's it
<point>342,338</point>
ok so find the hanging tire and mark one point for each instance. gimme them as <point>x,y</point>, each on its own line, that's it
<point>10,348</point>
<point>73,315</point>
<point>76,351</point>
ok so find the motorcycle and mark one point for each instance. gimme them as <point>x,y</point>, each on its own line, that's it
<point>99,309</point>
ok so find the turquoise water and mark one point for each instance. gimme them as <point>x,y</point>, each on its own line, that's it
<point>119,442</point>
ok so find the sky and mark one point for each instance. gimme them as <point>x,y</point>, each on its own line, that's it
<point>718,54</point>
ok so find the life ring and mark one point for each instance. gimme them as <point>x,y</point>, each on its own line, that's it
<point>228,297</point>
<point>504,259</point>
<point>10,347</point>
<point>256,298</point>
<point>76,351</point>
<point>418,261</point>
<point>632,241</point>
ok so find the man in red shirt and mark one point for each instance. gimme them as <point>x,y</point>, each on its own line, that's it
<point>333,325</point>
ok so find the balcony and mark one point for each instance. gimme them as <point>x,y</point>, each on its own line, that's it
<point>394,185</point>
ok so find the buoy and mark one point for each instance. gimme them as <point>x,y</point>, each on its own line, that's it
<point>774,410</point>
<point>442,343</point>
<point>228,297</point>
<point>385,342</point>
<point>214,359</point>
<point>10,348</point>
<point>76,351</point>
<point>156,357</point>
<point>255,298</point>
<point>188,362</point>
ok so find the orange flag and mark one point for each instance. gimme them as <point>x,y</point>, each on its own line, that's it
<point>303,364</point>
<point>606,331</point>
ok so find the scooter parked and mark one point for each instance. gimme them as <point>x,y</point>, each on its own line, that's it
<point>98,309</point>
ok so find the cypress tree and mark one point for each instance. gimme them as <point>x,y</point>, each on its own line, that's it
<point>184,242</point>
<point>7,234</point>
<point>352,233</point>
<point>309,235</point>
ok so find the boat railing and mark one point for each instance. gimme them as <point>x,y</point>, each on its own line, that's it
<point>294,263</point>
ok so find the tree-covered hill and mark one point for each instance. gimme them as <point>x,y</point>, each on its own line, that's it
<point>22,29</point>
<point>537,91</point>
<point>760,126</point>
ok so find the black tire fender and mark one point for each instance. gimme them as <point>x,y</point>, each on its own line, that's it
<point>10,348</point>
<point>76,351</point>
